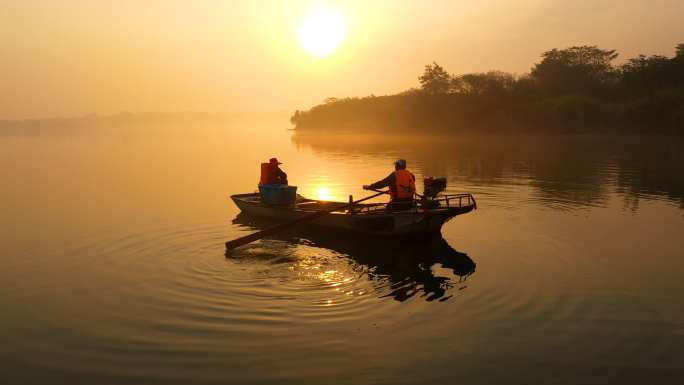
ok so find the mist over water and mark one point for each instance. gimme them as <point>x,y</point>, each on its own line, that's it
<point>114,267</point>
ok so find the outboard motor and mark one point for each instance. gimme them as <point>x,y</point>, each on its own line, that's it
<point>433,186</point>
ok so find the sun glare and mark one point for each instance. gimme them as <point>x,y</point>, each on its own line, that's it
<point>323,31</point>
<point>324,194</point>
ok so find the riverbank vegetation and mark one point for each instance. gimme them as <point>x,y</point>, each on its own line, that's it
<point>573,90</point>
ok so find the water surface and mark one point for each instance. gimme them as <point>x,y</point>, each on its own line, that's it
<point>114,268</point>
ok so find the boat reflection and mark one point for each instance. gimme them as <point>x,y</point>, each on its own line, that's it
<point>426,267</point>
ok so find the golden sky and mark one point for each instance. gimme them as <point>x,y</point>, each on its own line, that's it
<point>75,57</point>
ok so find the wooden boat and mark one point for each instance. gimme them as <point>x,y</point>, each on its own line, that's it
<point>373,218</point>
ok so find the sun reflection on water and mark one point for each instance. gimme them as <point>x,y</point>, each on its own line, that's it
<point>323,193</point>
<point>314,270</point>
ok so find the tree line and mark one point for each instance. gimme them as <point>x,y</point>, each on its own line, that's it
<point>572,90</point>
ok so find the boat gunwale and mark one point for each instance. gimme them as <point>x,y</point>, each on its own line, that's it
<point>365,209</point>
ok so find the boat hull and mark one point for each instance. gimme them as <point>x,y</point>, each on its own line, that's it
<point>374,222</point>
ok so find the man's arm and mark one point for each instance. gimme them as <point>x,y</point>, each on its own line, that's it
<point>390,180</point>
<point>280,174</point>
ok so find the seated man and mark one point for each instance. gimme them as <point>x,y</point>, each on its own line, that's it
<point>272,174</point>
<point>401,198</point>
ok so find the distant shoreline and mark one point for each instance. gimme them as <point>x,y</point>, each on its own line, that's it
<point>575,90</point>
<point>143,118</point>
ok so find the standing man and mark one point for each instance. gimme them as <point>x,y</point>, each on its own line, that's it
<point>398,181</point>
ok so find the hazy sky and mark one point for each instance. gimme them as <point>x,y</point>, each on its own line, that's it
<point>75,57</point>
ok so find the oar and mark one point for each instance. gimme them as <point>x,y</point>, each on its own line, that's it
<point>407,188</point>
<point>230,245</point>
<point>378,191</point>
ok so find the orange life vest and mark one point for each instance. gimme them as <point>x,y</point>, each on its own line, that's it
<point>268,174</point>
<point>404,178</point>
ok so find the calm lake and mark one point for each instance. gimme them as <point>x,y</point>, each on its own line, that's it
<point>113,267</point>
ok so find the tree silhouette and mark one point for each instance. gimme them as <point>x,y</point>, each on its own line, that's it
<point>435,80</point>
<point>575,70</point>
<point>576,89</point>
<point>679,50</point>
<point>644,75</point>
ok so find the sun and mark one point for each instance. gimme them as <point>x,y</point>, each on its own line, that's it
<point>323,31</point>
